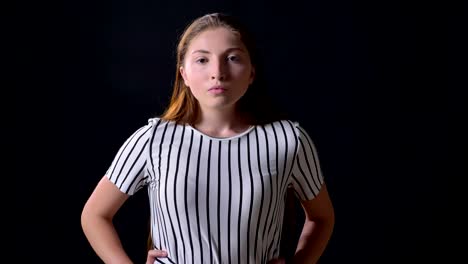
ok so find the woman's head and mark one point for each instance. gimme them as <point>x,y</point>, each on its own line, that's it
<point>216,68</point>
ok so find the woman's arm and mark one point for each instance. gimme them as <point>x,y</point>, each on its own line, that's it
<point>96,221</point>
<point>318,228</point>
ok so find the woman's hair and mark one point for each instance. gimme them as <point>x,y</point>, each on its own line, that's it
<point>255,105</point>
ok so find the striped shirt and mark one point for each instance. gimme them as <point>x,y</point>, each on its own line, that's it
<point>217,200</point>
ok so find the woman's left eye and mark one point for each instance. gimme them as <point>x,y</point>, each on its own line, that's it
<point>233,58</point>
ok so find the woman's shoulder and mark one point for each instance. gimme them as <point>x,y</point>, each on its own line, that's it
<point>285,122</point>
<point>290,127</point>
<point>158,121</point>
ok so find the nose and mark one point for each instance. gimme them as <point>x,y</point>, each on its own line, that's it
<point>219,70</point>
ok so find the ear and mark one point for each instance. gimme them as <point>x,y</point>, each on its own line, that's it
<point>252,76</point>
<point>184,75</point>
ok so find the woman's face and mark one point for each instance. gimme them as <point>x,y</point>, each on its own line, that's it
<point>217,68</point>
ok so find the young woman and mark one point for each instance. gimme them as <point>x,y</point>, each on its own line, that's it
<point>217,164</point>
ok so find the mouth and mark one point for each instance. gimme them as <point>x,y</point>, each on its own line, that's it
<point>217,90</point>
<point>214,88</point>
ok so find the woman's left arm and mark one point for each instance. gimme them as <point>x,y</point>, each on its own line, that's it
<point>317,230</point>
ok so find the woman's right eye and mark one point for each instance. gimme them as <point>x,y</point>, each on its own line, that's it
<point>201,60</point>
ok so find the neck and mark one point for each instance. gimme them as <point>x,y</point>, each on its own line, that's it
<point>221,123</point>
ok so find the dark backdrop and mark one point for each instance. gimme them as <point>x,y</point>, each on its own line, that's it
<point>375,83</point>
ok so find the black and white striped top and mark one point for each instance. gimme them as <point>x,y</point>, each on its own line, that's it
<point>217,200</point>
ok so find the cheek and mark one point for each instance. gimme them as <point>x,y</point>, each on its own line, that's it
<point>195,84</point>
<point>243,74</point>
<point>195,75</point>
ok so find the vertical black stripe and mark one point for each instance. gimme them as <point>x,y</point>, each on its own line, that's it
<point>251,197</point>
<point>269,249</point>
<point>219,201</point>
<point>275,241</point>
<point>229,202</point>
<point>151,146</point>
<point>286,148</point>
<point>281,219</point>
<point>157,212</point>
<point>175,196</point>
<point>208,203</point>
<point>281,194</point>
<point>153,205</point>
<point>161,215</point>
<point>186,195</point>
<point>271,195</point>
<point>275,207</point>
<point>160,149</point>
<point>150,199</point>
<point>262,196</point>
<point>280,227</point>
<point>296,146</point>
<point>196,198</point>
<point>239,215</point>
<point>162,237</point>
<point>166,191</point>
<point>277,176</point>
<point>153,218</point>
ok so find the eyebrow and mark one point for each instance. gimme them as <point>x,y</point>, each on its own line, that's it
<point>228,50</point>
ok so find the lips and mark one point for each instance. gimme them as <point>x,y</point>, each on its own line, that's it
<point>217,88</point>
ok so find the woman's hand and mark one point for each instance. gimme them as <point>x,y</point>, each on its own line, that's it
<point>153,254</point>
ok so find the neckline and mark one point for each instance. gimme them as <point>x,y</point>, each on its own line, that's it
<point>250,128</point>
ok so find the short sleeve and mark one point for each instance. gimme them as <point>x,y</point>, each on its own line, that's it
<point>306,178</point>
<point>128,171</point>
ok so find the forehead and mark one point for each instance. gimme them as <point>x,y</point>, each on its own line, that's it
<point>217,38</point>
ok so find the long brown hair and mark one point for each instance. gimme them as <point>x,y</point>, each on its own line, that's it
<point>255,106</point>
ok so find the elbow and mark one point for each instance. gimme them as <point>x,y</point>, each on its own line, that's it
<point>330,218</point>
<point>328,221</point>
<point>84,219</point>
<point>323,221</point>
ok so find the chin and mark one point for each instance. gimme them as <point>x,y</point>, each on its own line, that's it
<point>221,105</point>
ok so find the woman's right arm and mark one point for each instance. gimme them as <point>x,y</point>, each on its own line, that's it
<point>96,221</point>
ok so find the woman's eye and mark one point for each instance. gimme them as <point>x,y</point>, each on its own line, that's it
<point>201,60</point>
<point>233,58</point>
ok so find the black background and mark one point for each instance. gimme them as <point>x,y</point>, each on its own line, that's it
<point>377,84</point>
